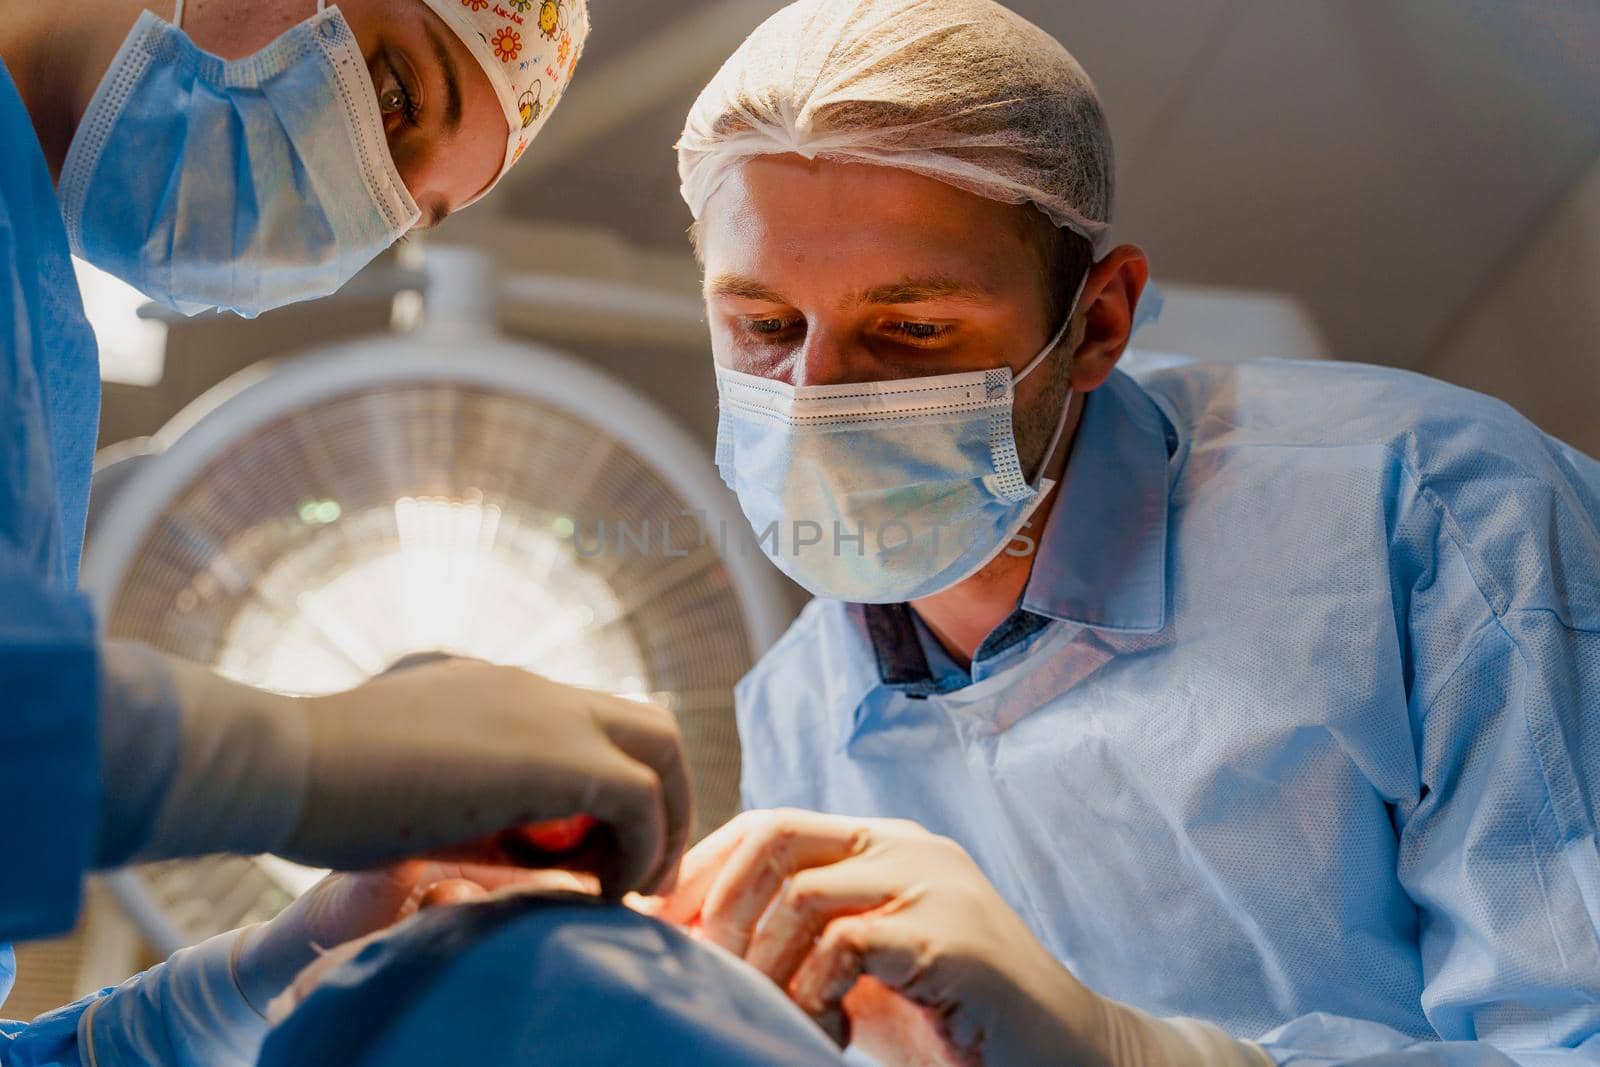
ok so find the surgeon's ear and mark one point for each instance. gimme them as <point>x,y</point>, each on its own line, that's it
<point>1110,298</point>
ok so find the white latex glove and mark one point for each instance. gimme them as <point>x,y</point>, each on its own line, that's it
<point>451,760</point>
<point>819,901</point>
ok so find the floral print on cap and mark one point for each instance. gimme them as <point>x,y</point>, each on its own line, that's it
<point>529,50</point>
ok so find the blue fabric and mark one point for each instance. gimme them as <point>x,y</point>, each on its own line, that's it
<point>559,982</point>
<point>49,1041</point>
<point>49,411</point>
<point>8,978</point>
<point>51,369</point>
<point>1308,740</point>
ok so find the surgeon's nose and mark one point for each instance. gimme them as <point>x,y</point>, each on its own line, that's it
<point>829,358</point>
<point>430,174</point>
<point>427,187</point>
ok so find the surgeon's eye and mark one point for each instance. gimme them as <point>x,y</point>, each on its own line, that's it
<point>394,99</point>
<point>770,328</point>
<point>917,333</point>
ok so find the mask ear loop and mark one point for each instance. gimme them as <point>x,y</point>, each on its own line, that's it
<point>1060,334</point>
<point>1066,402</point>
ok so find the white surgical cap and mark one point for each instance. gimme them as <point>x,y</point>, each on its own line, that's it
<point>963,91</point>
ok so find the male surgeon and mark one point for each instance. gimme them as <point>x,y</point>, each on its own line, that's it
<point>1238,714</point>
<point>243,157</point>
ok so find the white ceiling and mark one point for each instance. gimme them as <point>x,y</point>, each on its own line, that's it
<point>1377,158</point>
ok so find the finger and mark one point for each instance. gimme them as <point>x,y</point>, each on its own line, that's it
<point>562,882</point>
<point>804,907</point>
<point>495,878</point>
<point>387,891</point>
<point>451,891</point>
<point>698,872</point>
<point>650,735</point>
<point>780,847</point>
<point>868,943</point>
<point>833,965</point>
<point>827,973</point>
<point>628,801</point>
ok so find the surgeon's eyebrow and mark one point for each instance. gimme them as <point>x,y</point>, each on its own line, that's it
<point>452,84</point>
<point>743,288</point>
<point>921,290</point>
<point>907,290</point>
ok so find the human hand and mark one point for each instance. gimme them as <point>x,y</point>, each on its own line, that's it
<point>458,759</point>
<point>821,902</point>
<point>347,908</point>
<point>817,901</point>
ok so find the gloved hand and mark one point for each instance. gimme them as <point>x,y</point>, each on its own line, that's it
<point>345,908</point>
<point>206,1006</point>
<point>817,901</point>
<point>285,942</point>
<point>452,759</point>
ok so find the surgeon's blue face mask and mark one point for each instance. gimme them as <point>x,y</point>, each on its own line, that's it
<point>880,492</point>
<point>243,185</point>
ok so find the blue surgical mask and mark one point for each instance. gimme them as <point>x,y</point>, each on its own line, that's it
<point>880,492</point>
<point>242,185</point>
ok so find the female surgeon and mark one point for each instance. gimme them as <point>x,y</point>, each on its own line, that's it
<point>243,157</point>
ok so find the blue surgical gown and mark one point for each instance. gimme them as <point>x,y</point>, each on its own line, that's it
<point>49,413</point>
<point>1296,728</point>
<point>49,664</point>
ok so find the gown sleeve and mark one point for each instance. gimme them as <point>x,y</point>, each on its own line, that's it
<point>49,762</point>
<point>186,1012</point>
<point>1498,583</point>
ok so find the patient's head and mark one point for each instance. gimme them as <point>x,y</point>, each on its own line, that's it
<point>537,979</point>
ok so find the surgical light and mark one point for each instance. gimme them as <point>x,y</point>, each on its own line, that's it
<point>317,523</point>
